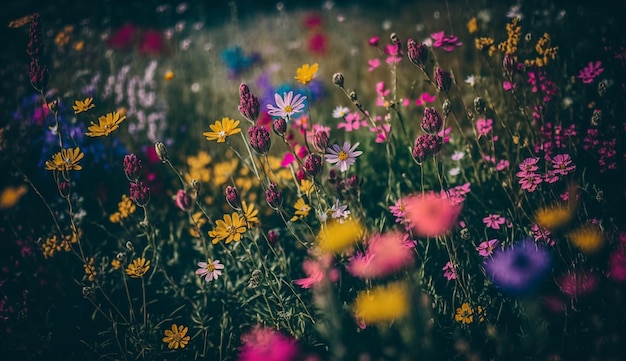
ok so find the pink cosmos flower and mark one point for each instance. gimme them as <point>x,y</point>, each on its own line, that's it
<point>425,98</point>
<point>449,272</point>
<point>484,126</point>
<point>528,166</point>
<point>562,164</point>
<point>486,248</point>
<point>373,64</point>
<point>265,344</point>
<point>210,270</point>
<point>445,42</point>
<point>385,254</point>
<point>382,93</point>
<point>541,234</point>
<point>530,182</point>
<point>315,270</point>
<point>494,221</point>
<point>590,72</point>
<point>502,165</point>
<point>398,210</point>
<point>430,214</point>
<point>353,121</point>
<point>382,132</point>
<point>457,194</point>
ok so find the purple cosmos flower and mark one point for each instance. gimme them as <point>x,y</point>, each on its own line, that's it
<point>287,105</point>
<point>445,42</point>
<point>517,270</point>
<point>344,156</point>
<point>562,164</point>
<point>486,248</point>
<point>530,182</point>
<point>210,270</point>
<point>494,221</point>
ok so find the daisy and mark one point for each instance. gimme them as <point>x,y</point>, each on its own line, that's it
<point>210,270</point>
<point>343,156</point>
<point>287,105</point>
<point>340,112</point>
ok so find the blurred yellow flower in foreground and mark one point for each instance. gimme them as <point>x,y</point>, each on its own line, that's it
<point>305,73</point>
<point>339,236</point>
<point>11,195</point>
<point>588,238</point>
<point>83,105</point>
<point>176,337</point>
<point>169,75</point>
<point>66,159</point>
<point>138,268</point>
<point>382,304</point>
<point>553,217</point>
<point>107,124</point>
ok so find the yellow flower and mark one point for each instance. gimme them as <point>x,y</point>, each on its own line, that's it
<point>138,268</point>
<point>553,217</point>
<point>83,106</point>
<point>306,72</point>
<point>302,209</point>
<point>79,45</point>
<point>481,312</point>
<point>464,314</point>
<point>201,160</point>
<point>176,338</point>
<point>11,195</point>
<point>222,129</point>
<point>116,264</point>
<point>472,25</point>
<point>230,229</point>
<point>65,160</point>
<point>107,124</point>
<point>126,207</point>
<point>588,238</point>
<point>223,171</point>
<point>198,220</point>
<point>169,75</point>
<point>90,270</point>
<point>307,187</point>
<point>50,246</point>
<point>339,236</point>
<point>250,214</point>
<point>382,304</point>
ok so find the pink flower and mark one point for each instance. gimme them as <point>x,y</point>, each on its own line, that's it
<point>562,164</point>
<point>210,270</point>
<point>578,283</point>
<point>373,63</point>
<point>449,272</point>
<point>315,270</point>
<point>385,254</point>
<point>430,214</point>
<point>486,248</point>
<point>530,182</point>
<point>541,234</point>
<point>528,166</point>
<point>352,122</point>
<point>264,344</point>
<point>494,221</point>
<point>382,131</point>
<point>502,165</point>
<point>457,194</point>
<point>373,41</point>
<point>590,72</point>
<point>445,134</point>
<point>445,42</point>
<point>425,98</point>
<point>394,54</point>
<point>507,85</point>
<point>617,265</point>
<point>399,211</point>
<point>484,126</point>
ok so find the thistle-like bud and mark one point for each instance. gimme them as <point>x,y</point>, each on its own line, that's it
<point>418,53</point>
<point>442,79</point>
<point>38,75</point>
<point>184,201</point>
<point>426,145</point>
<point>300,175</point>
<point>279,126</point>
<point>161,151</point>
<point>132,167</point>
<point>255,277</point>
<point>480,105</point>
<point>34,48</point>
<point>272,236</point>
<point>320,140</point>
<point>431,122</point>
<point>338,79</point>
<point>353,182</point>
<point>332,176</point>
<point>232,198</point>
<point>508,64</point>
<point>139,193</point>
<point>313,164</point>
<point>259,139</point>
<point>273,196</point>
<point>248,103</point>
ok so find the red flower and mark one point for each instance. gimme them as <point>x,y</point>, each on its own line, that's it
<point>123,38</point>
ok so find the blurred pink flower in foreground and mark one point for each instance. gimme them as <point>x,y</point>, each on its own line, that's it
<point>431,214</point>
<point>265,344</point>
<point>315,270</point>
<point>385,254</point>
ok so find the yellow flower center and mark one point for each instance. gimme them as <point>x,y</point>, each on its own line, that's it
<point>231,230</point>
<point>342,155</point>
<point>210,267</point>
<point>288,109</point>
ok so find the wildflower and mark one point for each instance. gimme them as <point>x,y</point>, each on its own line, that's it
<point>210,270</point>
<point>353,121</point>
<point>10,196</point>
<point>425,98</point>
<point>494,221</point>
<point>65,160</point>
<point>320,139</point>
<point>125,207</point>
<point>169,75</point>
<point>38,75</point>
<point>417,53</point>
<point>578,283</point>
<point>317,270</point>
<point>426,145</point>
<point>486,248</point>
<point>431,214</point>
<point>338,236</point>
<point>445,42</point>
<point>116,264</point>
<point>590,72</point>
<point>442,79</point>
<point>338,79</point>
<point>530,182</point>
<point>518,269</point>
<point>222,129</point>
<point>484,126</point>
<point>132,167</point>
<point>340,112</point>
<point>464,314</point>
<point>161,151</point>
<point>230,228</point>
<point>302,210</point>
<point>588,238</point>
<point>382,304</point>
<point>273,196</point>
<point>176,337</point>
<point>472,25</point>
<point>313,164</point>
<point>373,64</point>
<point>106,125</point>
<point>562,164</point>
<point>553,217</point>
<point>339,211</point>
<point>373,41</point>
<point>250,213</point>
<point>139,193</point>
<point>184,201</point>
<point>263,343</point>
<point>399,211</point>
<point>287,105</point>
<point>248,103</point>
<point>138,268</point>
<point>259,139</point>
<point>386,254</point>
<point>279,126</point>
<point>83,105</point>
<point>305,73</point>
<point>431,122</point>
<point>90,269</point>
<point>307,187</point>
<point>449,272</point>
<point>344,156</point>
<point>617,265</point>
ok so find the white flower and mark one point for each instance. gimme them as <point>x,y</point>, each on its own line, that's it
<point>340,112</point>
<point>287,105</point>
<point>471,80</point>
<point>343,156</point>
<point>339,211</point>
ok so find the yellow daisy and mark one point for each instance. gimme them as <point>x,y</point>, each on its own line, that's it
<point>83,106</point>
<point>138,268</point>
<point>306,72</point>
<point>302,210</point>
<point>176,337</point>
<point>230,228</point>
<point>588,238</point>
<point>65,160</point>
<point>464,314</point>
<point>250,213</point>
<point>107,124</point>
<point>222,129</point>
<point>339,236</point>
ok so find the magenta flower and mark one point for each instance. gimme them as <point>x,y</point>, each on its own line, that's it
<point>210,270</point>
<point>399,210</point>
<point>494,221</point>
<point>431,214</point>
<point>445,42</point>
<point>528,166</point>
<point>425,98</point>
<point>562,164</point>
<point>530,182</point>
<point>385,254</point>
<point>484,126</point>
<point>316,271</point>
<point>502,165</point>
<point>578,283</point>
<point>486,248</point>
<point>590,72</point>
<point>353,121</point>
<point>264,343</point>
<point>449,272</point>
<point>344,156</point>
<point>373,64</point>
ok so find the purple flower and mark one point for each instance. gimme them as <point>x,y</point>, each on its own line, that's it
<point>210,270</point>
<point>313,164</point>
<point>518,269</point>
<point>431,122</point>
<point>527,167</point>
<point>232,197</point>
<point>442,79</point>
<point>494,221</point>
<point>486,248</point>
<point>139,193</point>
<point>132,167</point>
<point>449,272</point>
<point>343,156</point>
<point>418,53</point>
<point>184,201</point>
<point>273,196</point>
<point>530,182</point>
<point>259,139</point>
<point>425,146</point>
<point>445,42</point>
<point>562,164</point>
<point>248,103</point>
<point>287,105</point>
<point>484,126</point>
<point>590,72</point>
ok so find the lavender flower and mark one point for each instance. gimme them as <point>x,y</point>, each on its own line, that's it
<point>279,126</point>
<point>431,122</point>
<point>232,197</point>
<point>139,193</point>
<point>442,79</point>
<point>273,196</point>
<point>184,201</point>
<point>248,103</point>
<point>425,146</point>
<point>132,167</point>
<point>259,139</point>
<point>313,164</point>
<point>418,53</point>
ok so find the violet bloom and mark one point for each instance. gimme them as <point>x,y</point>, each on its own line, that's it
<point>210,270</point>
<point>344,156</point>
<point>445,42</point>
<point>530,182</point>
<point>562,164</point>
<point>486,248</point>
<point>139,193</point>
<point>287,105</point>
<point>517,270</point>
<point>449,272</point>
<point>494,221</point>
<point>263,343</point>
<point>590,72</point>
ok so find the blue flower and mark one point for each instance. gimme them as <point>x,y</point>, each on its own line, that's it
<point>236,61</point>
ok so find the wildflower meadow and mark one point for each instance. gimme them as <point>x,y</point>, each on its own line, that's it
<point>313,180</point>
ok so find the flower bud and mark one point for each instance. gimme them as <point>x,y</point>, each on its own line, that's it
<point>418,53</point>
<point>596,117</point>
<point>320,140</point>
<point>300,175</point>
<point>273,196</point>
<point>272,236</point>
<point>442,79</point>
<point>338,79</point>
<point>139,193</point>
<point>129,246</point>
<point>508,64</point>
<point>431,122</point>
<point>232,197</point>
<point>313,164</point>
<point>426,145</point>
<point>249,105</point>
<point>353,96</point>
<point>195,185</point>
<point>279,126</point>
<point>64,188</point>
<point>38,75</point>
<point>132,167</point>
<point>161,151</point>
<point>259,139</point>
<point>184,201</point>
<point>446,107</point>
<point>480,105</point>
